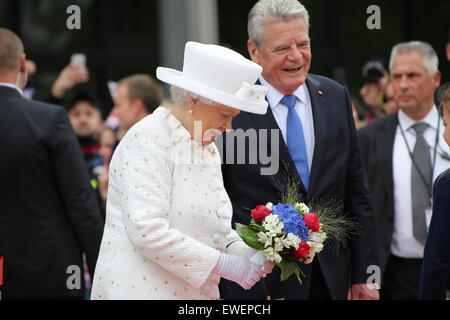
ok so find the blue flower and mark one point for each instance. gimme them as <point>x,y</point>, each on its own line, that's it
<point>293,221</point>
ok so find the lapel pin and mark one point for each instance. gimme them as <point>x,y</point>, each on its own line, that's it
<point>320,92</point>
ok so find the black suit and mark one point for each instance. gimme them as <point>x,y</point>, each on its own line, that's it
<point>337,173</point>
<point>49,215</point>
<point>377,146</point>
<point>400,275</point>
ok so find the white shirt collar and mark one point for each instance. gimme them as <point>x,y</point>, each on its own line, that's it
<point>274,96</point>
<point>11,85</point>
<point>431,119</point>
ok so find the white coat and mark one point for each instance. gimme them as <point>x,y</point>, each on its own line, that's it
<point>168,216</point>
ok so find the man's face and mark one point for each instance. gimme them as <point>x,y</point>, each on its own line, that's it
<point>85,119</point>
<point>124,108</point>
<point>413,86</point>
<point>285,54</point>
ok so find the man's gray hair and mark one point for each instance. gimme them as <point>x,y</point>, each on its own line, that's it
<point>181,96</point>
<point>430,58</point>
<point>270,11</point>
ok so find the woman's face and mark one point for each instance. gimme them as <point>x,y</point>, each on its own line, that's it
<point>447,122</point>
<point>211,120</point>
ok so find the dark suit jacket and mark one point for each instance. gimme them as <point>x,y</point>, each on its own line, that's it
<point>337,173</point>
<point>436,261</point>
<point>377,145</point>
<point>48,212</point>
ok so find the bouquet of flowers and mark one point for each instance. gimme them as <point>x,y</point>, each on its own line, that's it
<point>288,233</point>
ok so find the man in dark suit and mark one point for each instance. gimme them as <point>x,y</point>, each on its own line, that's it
<point>48,215</point>
<point>403,155</point>
<point>317,144</point>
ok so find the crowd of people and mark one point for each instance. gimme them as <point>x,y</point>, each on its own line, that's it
<point>120,199</point>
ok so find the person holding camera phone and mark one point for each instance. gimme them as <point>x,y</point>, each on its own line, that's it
<point>73,74</point>
<point>373,94</point>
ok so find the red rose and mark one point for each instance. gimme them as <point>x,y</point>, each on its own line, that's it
<point>259,213</point>
<point>312,222</point>
<point>303,251</point>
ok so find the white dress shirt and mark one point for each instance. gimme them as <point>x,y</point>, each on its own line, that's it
<point>403,242</point>
<point>10,85</point>
<point>304,111</point>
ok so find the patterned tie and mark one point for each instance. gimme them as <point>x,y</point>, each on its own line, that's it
<point>296,140</point>
<point>419,189</point>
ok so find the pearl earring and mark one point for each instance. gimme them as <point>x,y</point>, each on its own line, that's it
<point>190,111</point>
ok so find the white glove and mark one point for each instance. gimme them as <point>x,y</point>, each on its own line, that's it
<point>258,257</point>
<point>239,270</point>
<point>267,267</point>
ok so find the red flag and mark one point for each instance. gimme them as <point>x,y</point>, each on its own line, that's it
<point>1,271</point>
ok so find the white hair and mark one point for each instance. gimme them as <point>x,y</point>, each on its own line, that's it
<point>270,11</point>
<point>430,58</point>
<point>181,96</point>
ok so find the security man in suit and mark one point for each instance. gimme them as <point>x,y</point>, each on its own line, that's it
<point>49,215</point>
<point>403,154</point>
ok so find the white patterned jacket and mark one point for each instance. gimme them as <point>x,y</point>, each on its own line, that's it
<point>168,216</point>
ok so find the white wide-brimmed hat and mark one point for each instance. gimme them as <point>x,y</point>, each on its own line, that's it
<point>219,74</point>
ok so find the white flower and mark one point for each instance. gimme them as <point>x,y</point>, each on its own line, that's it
<point>272,225</point>
<point>318,237</point>
<point>291,240</point>
<point>318,247</point>
<point>303,208</point>
<point>315,246</point>
<point>278,247</point>
<point>269,205</point>
<point>263,238</point>
<point>272,255</point>
<point>310,257</point>
<point>271,219</point>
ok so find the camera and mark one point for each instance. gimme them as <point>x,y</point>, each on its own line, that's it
<point>373,71</point>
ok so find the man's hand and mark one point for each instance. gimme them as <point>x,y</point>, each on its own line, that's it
<point>363,291</point>
<point>69,77</point>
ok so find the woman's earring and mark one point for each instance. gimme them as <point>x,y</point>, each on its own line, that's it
<point>190,111</point>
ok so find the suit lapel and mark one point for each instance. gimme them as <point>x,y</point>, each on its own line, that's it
<point>319,109</point>
<point>385,148</point>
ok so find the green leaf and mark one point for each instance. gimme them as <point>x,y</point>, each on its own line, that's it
<point>287,269</point>
<point>249,236</point>
<point>257,227</point>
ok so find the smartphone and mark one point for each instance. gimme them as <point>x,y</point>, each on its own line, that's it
<point>112,86</point>
<point>78,59</point>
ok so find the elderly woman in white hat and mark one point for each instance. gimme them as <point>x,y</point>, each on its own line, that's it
<point>168,231</point>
